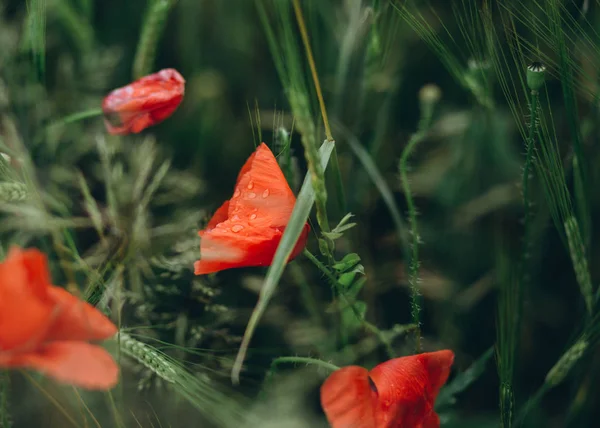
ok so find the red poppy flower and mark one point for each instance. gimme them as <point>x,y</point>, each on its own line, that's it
<point>143,103</point>
<point>399,393</point>
<point>246,229</point>
<point>45,328</point>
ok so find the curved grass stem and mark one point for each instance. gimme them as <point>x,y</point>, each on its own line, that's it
<point>413,272</point>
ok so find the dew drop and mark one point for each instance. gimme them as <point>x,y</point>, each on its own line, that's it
<point>236,228</point>
<point>236,193</point>
<point>265,193</point>
<point>250,185</point>
<point>251,195</point>
<point>235,218</point>
<point>252,217</point>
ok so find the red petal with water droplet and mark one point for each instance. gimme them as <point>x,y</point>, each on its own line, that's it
<point>256,216</point>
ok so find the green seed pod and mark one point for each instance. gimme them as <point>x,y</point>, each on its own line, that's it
<point>536,73</point>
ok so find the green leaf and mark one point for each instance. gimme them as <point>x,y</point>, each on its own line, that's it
<point>304,203</point>
<point>348,262</point>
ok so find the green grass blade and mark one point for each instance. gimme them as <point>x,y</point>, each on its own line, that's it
<point>386,193</point>
<point>446,397</point>
<point>36,23</point>
<point>304,203</point>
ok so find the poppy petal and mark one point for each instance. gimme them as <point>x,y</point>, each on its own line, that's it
<point>404,398</point>
<point>24,305</point>
<point>347,398</point>
<point>261,189</point>
<point>232,245</point>
<point>437,364</point>
<point>77,363</point>
<point>35,264</point>
<point>77,319</point>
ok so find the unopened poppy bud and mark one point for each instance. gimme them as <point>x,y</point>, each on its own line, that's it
<point>143,103</point>
<point>536,75</point>
<point>430,94</point>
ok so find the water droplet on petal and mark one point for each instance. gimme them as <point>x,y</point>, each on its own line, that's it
<point>251,195</point>
<point>250,185</point>
<point>235,218</point>
<point>236,193</point>
<point>265,193</point>
<point>253,216</point>
<point>236,228</point>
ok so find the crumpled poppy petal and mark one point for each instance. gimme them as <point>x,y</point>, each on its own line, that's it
<point>143,103</point>
<point>77,320</point>
<point>24,305</point>
<point>76,363</point>
<point>348,399</point>
<point>437,364</point>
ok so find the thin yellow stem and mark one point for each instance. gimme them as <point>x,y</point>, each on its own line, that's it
<point>313,67</point>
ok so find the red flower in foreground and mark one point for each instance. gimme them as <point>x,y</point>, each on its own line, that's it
<point>45,328</point>
<point>143,103</point>
<point>399,393</point>
<point>246,230</point>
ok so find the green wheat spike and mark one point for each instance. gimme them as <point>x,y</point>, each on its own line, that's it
<point>154,23</point>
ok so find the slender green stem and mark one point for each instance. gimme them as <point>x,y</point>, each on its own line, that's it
<point>303,360</point>
<point>75,117</point>
<point>413,273</point>
<point>533,128</point>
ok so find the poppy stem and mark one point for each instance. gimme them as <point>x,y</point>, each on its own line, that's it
<point>428,97</point>
<point>76,117</point>
<point>302,360</point>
